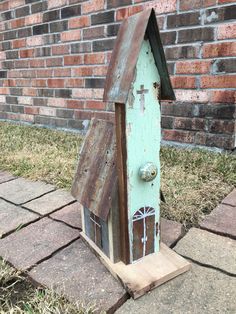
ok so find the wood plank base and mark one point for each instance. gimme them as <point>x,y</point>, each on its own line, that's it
<point>146,274</point>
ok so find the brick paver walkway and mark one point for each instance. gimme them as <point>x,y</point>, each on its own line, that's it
<point>40,226</point>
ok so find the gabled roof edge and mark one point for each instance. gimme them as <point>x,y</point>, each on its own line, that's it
<point>125,54</point>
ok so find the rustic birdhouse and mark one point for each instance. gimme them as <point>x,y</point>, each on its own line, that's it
<point>118,175</point>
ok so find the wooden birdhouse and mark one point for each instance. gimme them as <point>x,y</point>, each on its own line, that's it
<point>118,175</point>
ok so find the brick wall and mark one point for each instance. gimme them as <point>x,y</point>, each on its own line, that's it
<point>54,56</point>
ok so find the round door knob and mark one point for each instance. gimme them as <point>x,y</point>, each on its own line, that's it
<point>148,172</point>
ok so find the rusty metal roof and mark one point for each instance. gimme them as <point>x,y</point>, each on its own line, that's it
<point>125,53</point>
<point>95,180</point>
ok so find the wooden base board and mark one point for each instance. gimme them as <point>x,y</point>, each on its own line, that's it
<point>146,274</point>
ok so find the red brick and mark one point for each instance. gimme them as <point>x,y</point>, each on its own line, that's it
<point>56,4</point>
<point>75,104</point>
<point>34,41</point>
<point>163,6</point>
<point>183,81</point>
<point>17,23</point>
<point>71,35</point>
<point>46,111</point>
<point>23,83</point>
<point>37,63</point>
<point>57,102</point>
<point>2,26</point>
<point>4,90</point>
<point>88,93</point>
<point>198,67</point>
<point>72,82</point>
<point>21,117</point>
<point>94,32</point>
<point>219,50</point>
<point>62,72</point>
<point>79,22</point>
<point>2,55</point>
<point>84,115</point>
<point>24,100</point>
<point>193,4</point>
<point>177,135</point>
<point>126,12</point>
<point>92,6</point>
<point>223,96</point>
<point>18,43</point>
<point>13,73</point>
<point>34,19</point>
<point>12,83</point>
<point>99,105</point>
<point>26,91</point>
<point>226,31</point>
<point>39,83</point>
<point>28,73</point>
<point>222,126</point>
<point>53,62</point>
<point>56,83</point>
<point>73,60</point>
<point>189,123</point>
<point>100,70</point>
<point>16,3</point>
<point>97,58</point>
<point>31,110</point>
<point>4,6</point>
<point>225,81</point>
<point>44,73</point>
<point>60,50</point>
<point>192,96</point>
<point>82,71</point>
<point>160,22</point>
<point>22,63</point>
<point>27,53</point>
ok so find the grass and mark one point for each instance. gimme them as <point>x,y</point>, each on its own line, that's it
<point>18,296</point>
<point>193,181</point>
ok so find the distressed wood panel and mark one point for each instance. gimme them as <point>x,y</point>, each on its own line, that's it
<point>143,136</point>
<point>122,174</point>
<point>97,230</point>
<point>96,175</point>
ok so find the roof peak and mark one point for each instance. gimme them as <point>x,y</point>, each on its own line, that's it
<point>125,54</point>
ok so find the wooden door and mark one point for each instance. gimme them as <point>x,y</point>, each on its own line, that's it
<point>143,232</point>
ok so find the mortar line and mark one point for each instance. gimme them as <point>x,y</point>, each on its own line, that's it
<point>20,206</point>
<point>51,212</point>
<point>38,218</point>
<point>223,234</point>
<point>27,270</point>
<point>20,227</point>
<point>209,266</point>
<point>65,223</point>
<point>35,198</point>
<point>9,180</point>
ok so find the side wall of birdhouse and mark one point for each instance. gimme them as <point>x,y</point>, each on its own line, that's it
<point>105,234</point>
<point>143,136</point>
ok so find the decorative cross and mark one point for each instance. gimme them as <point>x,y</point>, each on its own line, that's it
<point>142,93</point>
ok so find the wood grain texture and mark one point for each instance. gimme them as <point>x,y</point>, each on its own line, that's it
<point>96,175</point>
<point>151,271</point>
<point>122,181</point>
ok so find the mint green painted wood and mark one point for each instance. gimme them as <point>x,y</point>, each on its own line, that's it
<point>143,136</point>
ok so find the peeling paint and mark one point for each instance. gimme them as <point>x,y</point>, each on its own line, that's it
<point>143,143</point>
